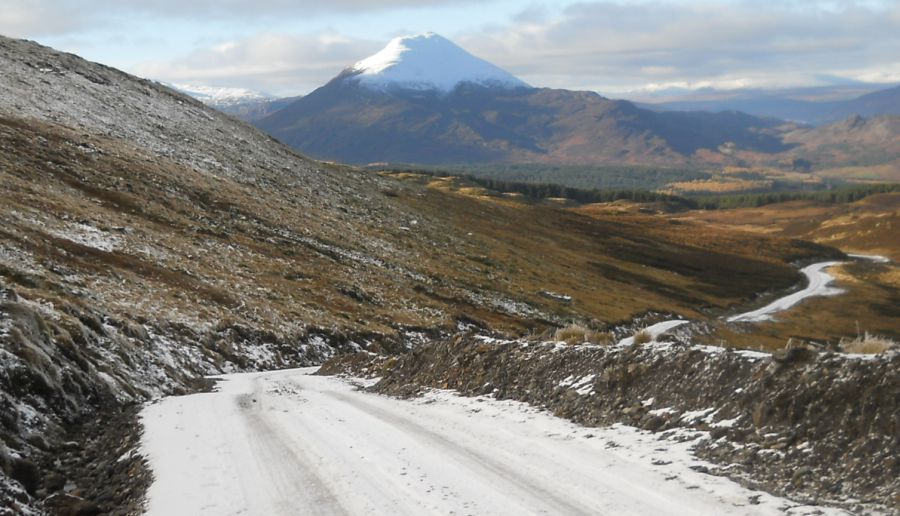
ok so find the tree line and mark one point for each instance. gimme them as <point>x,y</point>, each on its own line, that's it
<point>846,194</point>
<point>546,190</point>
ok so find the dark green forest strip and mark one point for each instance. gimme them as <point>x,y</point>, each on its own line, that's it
<point>539,191</point>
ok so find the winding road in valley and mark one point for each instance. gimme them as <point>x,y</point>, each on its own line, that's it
<point>818,284</point>
<point>818,281</point>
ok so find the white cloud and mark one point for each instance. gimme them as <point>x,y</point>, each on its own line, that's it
<point>600,45</point>
<point>28,18</point>
<point>33,18</point>
<point>614,46</point>
<point>275,63</point>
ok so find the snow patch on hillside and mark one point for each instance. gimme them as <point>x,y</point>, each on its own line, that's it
<point>89,236</point>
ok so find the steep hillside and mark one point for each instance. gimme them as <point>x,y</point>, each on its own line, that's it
<point>147,239</point>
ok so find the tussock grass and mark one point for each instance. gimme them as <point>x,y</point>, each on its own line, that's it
<point>642,337</point>
<point>867,344</point>
<point>578,334</point>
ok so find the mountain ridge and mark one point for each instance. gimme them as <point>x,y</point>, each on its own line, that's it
<point>342,121</point>
<point>221,96</point>
<point>429,115</point>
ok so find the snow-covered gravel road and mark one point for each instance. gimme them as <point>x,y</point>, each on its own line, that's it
<point>818,285</point>
<point>290,443</point>
<point>818,281</point>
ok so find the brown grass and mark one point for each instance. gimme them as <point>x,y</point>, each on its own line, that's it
<point>718,186</point>
<point>642,337</point>
<point>866,226</point>
<point>198,249</point>
<point>871,290</point>
<point>578,334</point>
<point>867,344</point>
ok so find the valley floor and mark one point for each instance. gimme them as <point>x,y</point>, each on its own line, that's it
<point>291,442</point>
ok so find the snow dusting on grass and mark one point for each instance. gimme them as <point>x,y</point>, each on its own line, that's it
<point>89,236</point>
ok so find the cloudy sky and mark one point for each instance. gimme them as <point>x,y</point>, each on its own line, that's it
<point>288,47</point>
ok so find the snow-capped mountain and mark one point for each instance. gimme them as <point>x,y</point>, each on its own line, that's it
<point>422,99</point>
<point>221,96</point>
<point>241,103</point>
<point>428,62</point>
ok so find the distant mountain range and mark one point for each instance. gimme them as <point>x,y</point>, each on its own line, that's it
<point>791,106</point>
<point>247,105</point>
<point>424,100</point>
<point>398,106</point>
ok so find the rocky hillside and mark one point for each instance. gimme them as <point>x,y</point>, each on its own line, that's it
<point>147,239</point>
<point>815,427</point>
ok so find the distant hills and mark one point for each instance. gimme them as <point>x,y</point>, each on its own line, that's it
<point>424,100</point>
<point>253,110</point>
<point>397,106</point>
<point>795,106</point>
<point>858,148</point>
<point>247,105</point>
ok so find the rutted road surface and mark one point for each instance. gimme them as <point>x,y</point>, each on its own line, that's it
<point>288,442</point>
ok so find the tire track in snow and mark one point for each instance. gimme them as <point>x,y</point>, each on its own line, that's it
<point>539,495</point>
<point>291,476</point>
<point>314,445</point>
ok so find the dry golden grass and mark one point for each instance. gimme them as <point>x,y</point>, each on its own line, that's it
<point>867,344</point>
<point>474,191</point>
<point>578,334</point>
<point>642,337</point>
<point>718,185</point>
<point>866,226</point>
<point>889,172</point>
<point>733,180</point>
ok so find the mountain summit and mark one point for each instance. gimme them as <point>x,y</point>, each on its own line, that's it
<point>428,62</point>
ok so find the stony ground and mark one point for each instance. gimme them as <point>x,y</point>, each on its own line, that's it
<point>815,427</point>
